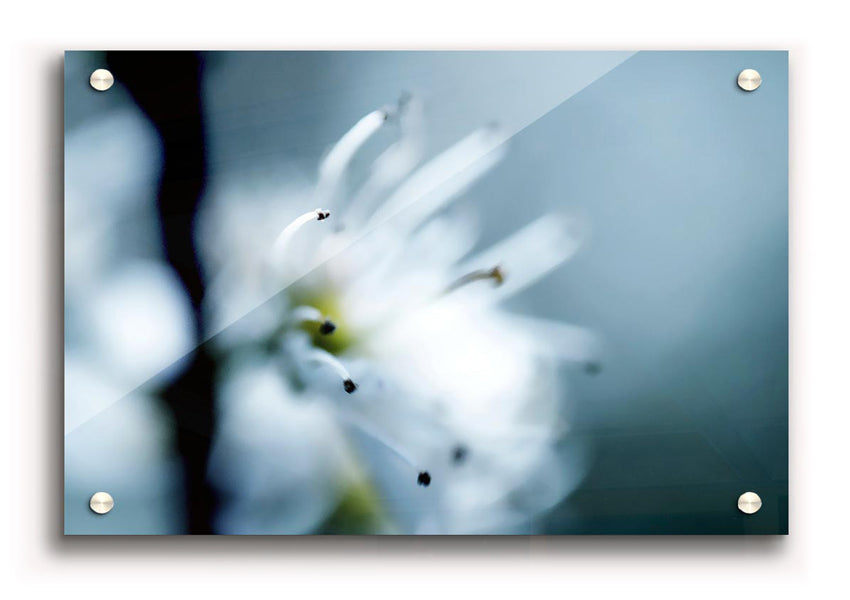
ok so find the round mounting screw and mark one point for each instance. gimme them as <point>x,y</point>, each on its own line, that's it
<point>749,80</point>
<point>101,503</point>
<point>749,503</point>
<point>101,80</point>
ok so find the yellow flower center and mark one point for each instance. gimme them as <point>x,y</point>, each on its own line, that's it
<point>326,301</point>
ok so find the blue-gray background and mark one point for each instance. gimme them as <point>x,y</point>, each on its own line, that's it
<point>683,179</point>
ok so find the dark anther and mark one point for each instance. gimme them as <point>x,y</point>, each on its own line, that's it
<point>349,386</point>
<point>327,327</point>
<point>323,214</point>
<point>393,112</point>
<point>459,453</point>
<point>497,275</point>
<point>592,368</point>
<point>424,479</point>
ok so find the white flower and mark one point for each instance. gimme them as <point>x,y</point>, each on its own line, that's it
<point>452,414</point>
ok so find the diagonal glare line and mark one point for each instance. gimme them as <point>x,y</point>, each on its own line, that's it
<point>356,239</point>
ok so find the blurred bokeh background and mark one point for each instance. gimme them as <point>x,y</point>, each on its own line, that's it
<point>679,178</point>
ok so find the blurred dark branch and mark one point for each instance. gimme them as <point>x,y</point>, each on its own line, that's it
<point>167,87</point>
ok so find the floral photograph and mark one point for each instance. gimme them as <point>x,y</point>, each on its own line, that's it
<point>425,293</point>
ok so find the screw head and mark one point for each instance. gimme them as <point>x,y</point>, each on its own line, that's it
<point>749,503</point>
<point>749,80</point>
<point>101,503</point>
<point>101,80</point>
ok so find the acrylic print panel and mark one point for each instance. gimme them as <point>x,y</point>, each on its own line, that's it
<point>425,292</point>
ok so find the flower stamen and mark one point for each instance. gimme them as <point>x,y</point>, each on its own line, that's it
<point>423,477</point>
<point>283,240</point>
<point>530,253</point>
<point>310,314</point>
<point>393,165</point>
<point>336,162</point>
<point>326,358</point>
<point>495,274</point>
